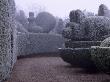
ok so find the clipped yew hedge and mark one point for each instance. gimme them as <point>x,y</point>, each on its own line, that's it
<point>35,43</point>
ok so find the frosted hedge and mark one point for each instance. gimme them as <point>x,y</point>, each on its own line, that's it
<point>35,43</point>
<point>80,34</point>
<point>95,27</point>
<point>7,38</point>
<point>46,20</point>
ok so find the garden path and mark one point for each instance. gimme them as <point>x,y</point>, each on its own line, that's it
<point>51,69</point>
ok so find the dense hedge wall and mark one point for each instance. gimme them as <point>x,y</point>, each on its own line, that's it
<point>7,38</point>
<point>95,27</point>
<point>35,43</point>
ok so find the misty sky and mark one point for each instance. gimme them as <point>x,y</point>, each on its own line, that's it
<point>60,8</point>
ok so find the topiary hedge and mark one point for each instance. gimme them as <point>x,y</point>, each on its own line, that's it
<point>35,43</point>
<point>101,55</point>
<point>95,27</point>
<point>46,20</point>
<point>7,38</point>
<point>81,44</point>
<point>101,58</point>
<point>76,16</point>
<point>79,57</point>
<point>78,53</point>
<point>83,32</point>
<point>103,11</point>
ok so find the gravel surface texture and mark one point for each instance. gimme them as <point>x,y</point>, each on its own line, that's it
<point>51,69</point>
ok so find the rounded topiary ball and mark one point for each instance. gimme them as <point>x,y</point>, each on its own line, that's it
<point>46,20</point>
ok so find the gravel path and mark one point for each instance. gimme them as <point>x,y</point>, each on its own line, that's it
<point>51,69</point>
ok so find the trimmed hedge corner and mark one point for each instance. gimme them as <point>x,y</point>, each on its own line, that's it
<point>79,53</point>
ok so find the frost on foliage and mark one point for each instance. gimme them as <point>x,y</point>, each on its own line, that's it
<point>87,14</point>
<point>32,27</point>
<point>76,16</point>
<point>35,43</point>
<point>81,35</point>
<point>7,38</point>
<point>46,21</point>
<point>95,27</point>
<point>106,42</point>
<point>72,31</point>
<point>103,11</point>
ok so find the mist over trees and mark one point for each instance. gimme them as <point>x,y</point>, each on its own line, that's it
<point>21,18</point>
<point>81,39</point>
<point>44,22</point>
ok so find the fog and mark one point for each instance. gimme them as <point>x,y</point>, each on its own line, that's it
<point>59,8</point>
